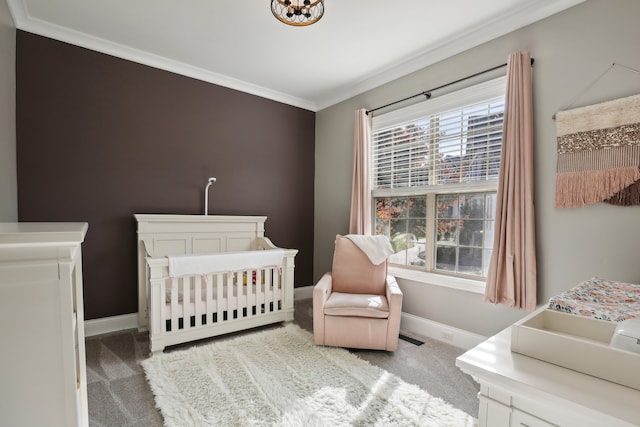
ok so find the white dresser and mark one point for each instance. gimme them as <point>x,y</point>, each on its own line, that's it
<point>42,355</point>
<point>517,390</point>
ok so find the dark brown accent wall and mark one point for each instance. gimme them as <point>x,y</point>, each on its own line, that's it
<point>100,138</point>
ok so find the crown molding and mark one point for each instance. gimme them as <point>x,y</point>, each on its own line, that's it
<point>23,21</point>
<point>508,22</point>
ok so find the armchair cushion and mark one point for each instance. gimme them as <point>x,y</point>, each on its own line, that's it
<point>353,272</point>
<point>361,305</point>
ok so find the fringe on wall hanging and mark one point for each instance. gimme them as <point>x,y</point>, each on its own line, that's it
<point>599,154</point>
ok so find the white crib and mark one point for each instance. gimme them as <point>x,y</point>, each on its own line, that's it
<point>195,306</point>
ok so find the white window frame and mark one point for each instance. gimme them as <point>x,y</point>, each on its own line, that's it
<point>473,94</point>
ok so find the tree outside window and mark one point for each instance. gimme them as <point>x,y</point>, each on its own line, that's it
<point>403,220</point>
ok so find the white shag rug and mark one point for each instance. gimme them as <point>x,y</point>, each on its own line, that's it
<point>278,377</point>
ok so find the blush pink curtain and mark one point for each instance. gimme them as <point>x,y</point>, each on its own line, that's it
<point>512,270</point>
<point>360,218</point>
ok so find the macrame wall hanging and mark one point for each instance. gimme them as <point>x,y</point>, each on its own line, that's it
<point>599,153</point>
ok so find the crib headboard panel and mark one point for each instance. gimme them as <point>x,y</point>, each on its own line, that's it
<point>161,235</point>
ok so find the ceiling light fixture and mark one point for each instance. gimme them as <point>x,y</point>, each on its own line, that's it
<point>298,13</point>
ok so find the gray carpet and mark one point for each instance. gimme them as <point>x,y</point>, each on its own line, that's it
<point>120,396</point>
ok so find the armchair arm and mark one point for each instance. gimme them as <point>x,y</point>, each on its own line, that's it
<point>321,292</point>
<point>394,298</point>
<point>394,294</point>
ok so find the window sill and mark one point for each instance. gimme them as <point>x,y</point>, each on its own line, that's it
<point>459,283</point>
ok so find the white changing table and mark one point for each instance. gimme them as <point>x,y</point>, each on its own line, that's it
<point>517,390</point>
<point>42,355</point>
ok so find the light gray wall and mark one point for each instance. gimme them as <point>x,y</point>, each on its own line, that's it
<point>571,49</point>
<point>8,180</point>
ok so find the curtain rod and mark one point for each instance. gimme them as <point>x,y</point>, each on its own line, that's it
<point>427,93</point>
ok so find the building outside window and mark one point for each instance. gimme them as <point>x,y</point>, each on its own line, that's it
<point>434,179</point>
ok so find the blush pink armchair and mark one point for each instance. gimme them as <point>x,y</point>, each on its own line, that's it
<point>357,304</point>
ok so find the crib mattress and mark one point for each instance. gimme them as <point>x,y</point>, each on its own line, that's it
<point>601,299</point>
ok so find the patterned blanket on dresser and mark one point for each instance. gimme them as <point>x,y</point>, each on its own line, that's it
<point>601,299</point>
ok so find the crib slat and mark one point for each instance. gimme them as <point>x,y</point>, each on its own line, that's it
<point>268,293</point>
<point>259,291</point>
<point>252,294</point>
<point>220,302</point>
<point>186,303</point>
<point>238,304</point>
<point>276,290</point>
<point>163,312</point>
<point>230,297</point>
<point>249,293</point>
<point>197,300</point>
<point>173,320</point>
<point>208,295</point>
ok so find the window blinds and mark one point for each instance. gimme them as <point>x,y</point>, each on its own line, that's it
<point>452,140</point>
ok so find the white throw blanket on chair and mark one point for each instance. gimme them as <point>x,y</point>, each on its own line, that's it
<point>377,248</point>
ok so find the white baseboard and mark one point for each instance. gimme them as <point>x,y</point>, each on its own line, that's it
<point>409,323</point>
<point>107,325</point>
<point>439,331</point>
<point>303,292</point>
<point>420,326</point>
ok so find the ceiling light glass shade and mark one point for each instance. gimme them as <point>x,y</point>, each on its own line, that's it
<point>298,12</point>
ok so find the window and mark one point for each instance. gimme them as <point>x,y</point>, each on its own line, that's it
<point>434,178</point>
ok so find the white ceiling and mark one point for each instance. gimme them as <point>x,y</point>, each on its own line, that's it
<point>356,46</point>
